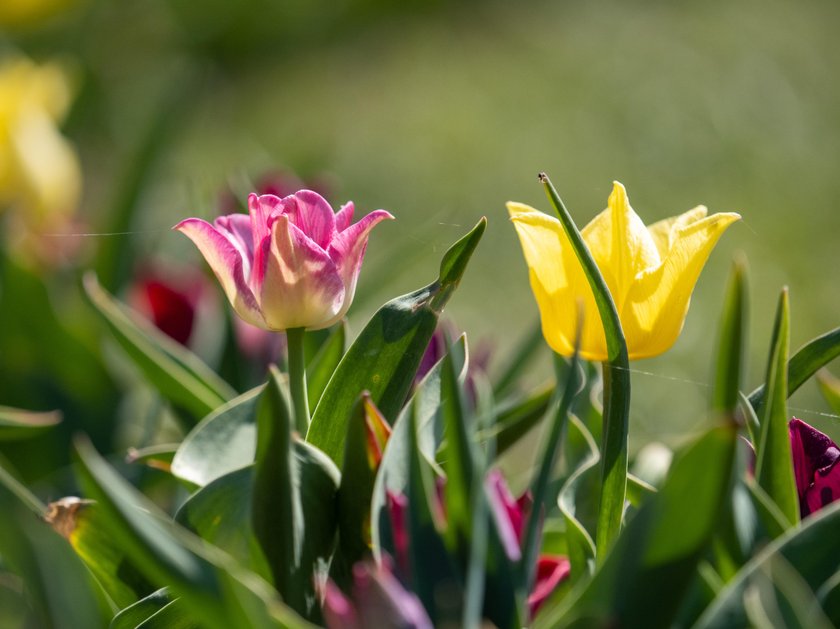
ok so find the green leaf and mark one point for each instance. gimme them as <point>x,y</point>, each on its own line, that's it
<point>810,550</point>
<point>830,389</point>
<point>581,548</point>
<point>733,332</point>
<point>320,369</point>
<point>559,414</point>
<point>804,364</point>
<point>515,419</point>
<point>220,513</point>
<point>293,508</point>
<point>224,441</point>
<point>20,424</point>
<point>649,570</point>
<point>394,469</point>
<point>144,613</point>
<point>81,522</point>
<point>216,591</point>
<point>178,374</point>
<point>384,357</point>
<point>61,591</point>
<point>616,386</point>
<point>522,354</point>
<point>774,459</point>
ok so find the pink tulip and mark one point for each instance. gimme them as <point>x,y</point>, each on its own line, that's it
<point>815,458</point>
<point>293,264</point>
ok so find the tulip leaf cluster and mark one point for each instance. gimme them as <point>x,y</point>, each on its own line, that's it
<point>388,479</point>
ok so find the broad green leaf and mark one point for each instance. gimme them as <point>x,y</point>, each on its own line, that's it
<point>805,363</point>
<point>216,591</point>
<point>293,504</point>
<point>16,423</point>
<point>830,388</point>
<point>320,368</point>
<point>83,525</point>
<point>616,386</point>
<point>220,513</point>
<point>774,459</point>
<point>771,517</point>
<point>178,374</point>
<point>810,550</point>
<point>384,357</point>
<point>61,591</point>
<point>224,441</point>
<point>730,355</point>
<point>648,571</point>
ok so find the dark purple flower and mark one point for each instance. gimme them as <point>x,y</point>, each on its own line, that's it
<point>815,458</point>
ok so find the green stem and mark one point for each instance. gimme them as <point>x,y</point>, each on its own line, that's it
<point>297,379</point>
<point>616,386</point>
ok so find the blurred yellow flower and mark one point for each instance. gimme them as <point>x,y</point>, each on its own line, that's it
<point>16,13</point>
<point>39,171</point>
<point>650,272</point>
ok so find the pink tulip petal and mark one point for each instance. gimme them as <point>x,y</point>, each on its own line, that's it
<point>338,610</point>
<point>344,217</point>
<point>551,571</point>
<point>397,507</point>
<point>383,602</point>
<point>825,490</point>
<point>227,263</point>
<point>237,229</point>
<point>301,285</point>
<point>815,458</point>
<point>348,250</point>
<point>311,213</point>
<point>506,514</point>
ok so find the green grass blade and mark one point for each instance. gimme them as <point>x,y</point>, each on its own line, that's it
<point>17,423</point>
<point>774,459</point>
<point>384,357</point>
<point>178,374</point>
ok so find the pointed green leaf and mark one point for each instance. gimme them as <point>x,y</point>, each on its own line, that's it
<point>384,357</point>
<point>178,374</point>
<point>805,363</point>
<point>810,550</point>
<point>224,441</point>
<point>733,331</point>
<point>774,459</point>
<point>297,541</point>
<point>61,591</point>
<point>217,592</point>
<point>653,556</point>
<point>16,423</point>
<point>516,418</point>
<point>616,385</point>
<point>144,613</point>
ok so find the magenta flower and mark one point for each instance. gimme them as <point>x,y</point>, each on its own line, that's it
<point>815,458</point>
<point>293,264</point>
<point>379,602</point>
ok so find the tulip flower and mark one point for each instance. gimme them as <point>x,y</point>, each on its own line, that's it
<point>815,458</point>
<point>39,172</point>
<point>293,264</point>
<point>379,601</point>
<point>650,272</point>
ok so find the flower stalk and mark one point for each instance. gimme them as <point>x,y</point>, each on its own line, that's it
<point>297,379</point>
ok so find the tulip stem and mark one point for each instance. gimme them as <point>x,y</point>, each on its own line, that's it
<point>297,378</point>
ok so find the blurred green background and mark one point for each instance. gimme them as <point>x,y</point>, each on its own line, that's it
<point>439,112</point>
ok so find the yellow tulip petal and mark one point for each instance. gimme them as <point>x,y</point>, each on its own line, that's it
<point>663,231</point>
<point>620,244</point>
<point>655,311</point>
<point>558,282</point>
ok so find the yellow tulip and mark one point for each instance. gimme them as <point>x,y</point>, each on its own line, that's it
<point>650,272</point>
<point>39,171</point>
